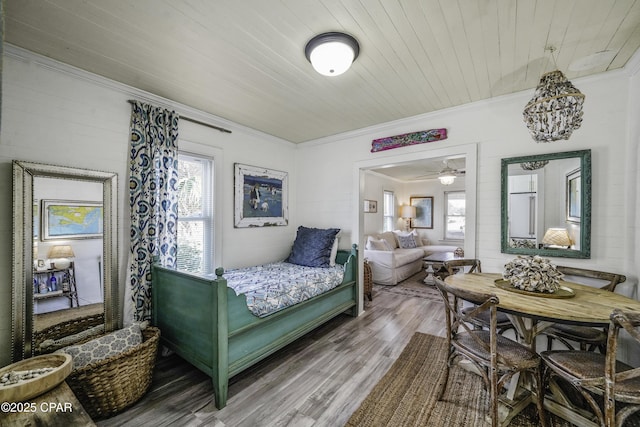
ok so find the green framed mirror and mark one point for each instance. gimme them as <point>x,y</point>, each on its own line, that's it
<point>546,204</point>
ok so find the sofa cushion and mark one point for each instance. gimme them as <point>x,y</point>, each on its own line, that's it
<point>406,256</point>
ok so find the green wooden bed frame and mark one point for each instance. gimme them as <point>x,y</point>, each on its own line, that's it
<point>208,325</point>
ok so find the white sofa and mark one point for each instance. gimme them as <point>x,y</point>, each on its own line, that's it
<point>390,263</point>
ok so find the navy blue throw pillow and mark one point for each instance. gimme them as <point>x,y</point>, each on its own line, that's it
<point>312,246</point>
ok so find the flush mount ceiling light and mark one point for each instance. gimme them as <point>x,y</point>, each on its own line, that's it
<point>555,110</point>
<point>331,54</point>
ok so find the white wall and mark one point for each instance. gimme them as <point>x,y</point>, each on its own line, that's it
<point>436,190</point>
<point>56,114</point>
<point>374,187</point>
<point>496,128</point>
<point>376,183</point>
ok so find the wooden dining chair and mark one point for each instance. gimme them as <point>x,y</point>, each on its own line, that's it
<point>481,320</point>
<point>599,377</point>
<point>496,358</point>
<point>588,338</point>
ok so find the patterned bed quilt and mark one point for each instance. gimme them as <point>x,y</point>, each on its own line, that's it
<point>273,287</point>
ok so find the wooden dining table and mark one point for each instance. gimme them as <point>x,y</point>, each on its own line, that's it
<point>532,313</point>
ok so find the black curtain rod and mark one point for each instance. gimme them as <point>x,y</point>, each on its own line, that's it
<point>131,101</point>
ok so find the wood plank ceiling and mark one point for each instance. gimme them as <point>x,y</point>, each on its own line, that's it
<point>244,60</point>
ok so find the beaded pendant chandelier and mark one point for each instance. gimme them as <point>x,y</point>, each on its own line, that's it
<point>531,166</point>
<point>555,110</point>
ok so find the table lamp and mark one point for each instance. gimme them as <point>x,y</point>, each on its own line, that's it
<point>59,256</point>
<point>407,212</point>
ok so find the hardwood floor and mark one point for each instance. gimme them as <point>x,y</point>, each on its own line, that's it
<point>319,380</point>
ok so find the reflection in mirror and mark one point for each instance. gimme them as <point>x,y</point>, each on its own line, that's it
<point>546,204</point>
<point>67,248</point>
<point>65,259</point>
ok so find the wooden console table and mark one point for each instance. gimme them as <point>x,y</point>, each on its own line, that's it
<point>58,407</point>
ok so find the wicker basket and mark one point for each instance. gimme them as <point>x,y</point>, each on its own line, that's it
<point>368,280</point>
<point>65,329</point>
<point>111,385</point>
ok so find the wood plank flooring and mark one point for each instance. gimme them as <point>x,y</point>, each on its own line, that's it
<point>318,380</point>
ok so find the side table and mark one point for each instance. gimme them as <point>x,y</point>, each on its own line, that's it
<point>434,263</point>
<point>58,407</point>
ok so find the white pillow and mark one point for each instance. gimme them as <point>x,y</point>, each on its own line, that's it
<point>377,244</point>
<point>334,252</point>
<point>390,237</point>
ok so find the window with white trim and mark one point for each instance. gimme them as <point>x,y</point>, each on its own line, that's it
<point>389,211</point>
<point>195,213</point>
<point>454,215</point>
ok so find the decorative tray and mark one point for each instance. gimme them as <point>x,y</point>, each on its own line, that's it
<point>60,364</point>
<point>562,292</point>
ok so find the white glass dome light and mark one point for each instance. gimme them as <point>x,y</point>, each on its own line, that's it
<point>331,54</point>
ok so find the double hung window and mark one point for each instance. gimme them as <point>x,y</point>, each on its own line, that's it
<point>195,213</point>
<point>389,211</point>
<point>454,217</point>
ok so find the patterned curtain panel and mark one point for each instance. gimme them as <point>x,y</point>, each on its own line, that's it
<point>153,198</point>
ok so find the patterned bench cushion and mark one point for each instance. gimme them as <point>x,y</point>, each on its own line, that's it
<point>105,346</point>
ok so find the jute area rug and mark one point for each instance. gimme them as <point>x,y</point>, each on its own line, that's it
<point>407,394</point>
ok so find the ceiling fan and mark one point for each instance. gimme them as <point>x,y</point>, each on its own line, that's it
<point>446,175</point>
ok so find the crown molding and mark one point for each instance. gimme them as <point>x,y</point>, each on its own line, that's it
<point>29,57</point>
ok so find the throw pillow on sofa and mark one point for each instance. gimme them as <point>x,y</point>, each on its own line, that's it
<point>105,346</point>
<point>420,241</point>
<point>407,241</point>
<point>377,244</point>
<point>390,238</point>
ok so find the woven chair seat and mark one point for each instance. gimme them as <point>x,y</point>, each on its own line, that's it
<point>513,352</point>
<point>588,365</point>
<point>578,333</point>
<point>484,317</point>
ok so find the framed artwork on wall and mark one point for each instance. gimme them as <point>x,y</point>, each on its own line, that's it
<point>260,197</point>
<point>63,219</point>
<point>370,206</point>
<point>573,196</point>
<point>424,212</point>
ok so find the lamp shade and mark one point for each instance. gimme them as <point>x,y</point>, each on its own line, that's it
<point>331,54</point>
<point>61,251</point>
<point>407,211</point>
<point>556,237</point>
<point>60,255</point>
